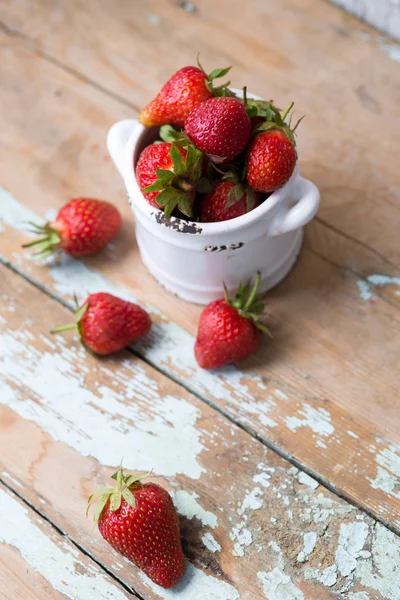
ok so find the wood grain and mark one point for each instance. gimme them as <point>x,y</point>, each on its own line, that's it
<point>251,523</point>
<point>323,393</point>
<point>37,562</point>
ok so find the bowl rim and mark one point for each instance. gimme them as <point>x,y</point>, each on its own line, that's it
<point>153,213</point>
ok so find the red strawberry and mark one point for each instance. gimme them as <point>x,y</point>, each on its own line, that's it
<point>108,324</point>
<point>220,127</point>
<point>227,201</point>
<point>140,522</point>
<point>272,156</point>
<point>271,160</point>
<point>167,174</point>
<point>179,96</point>
<point>229,330</point>
<point>82,226</point>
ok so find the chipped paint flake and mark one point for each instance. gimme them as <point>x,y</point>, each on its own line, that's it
<point>166,441</point>
<point>253,500</point>
<point>386,482</point>
<point>309,542</point>
<point>262,479</point>
<point>317,419</point>
<point>351,541</point>
<point>187,505</point>
<point>381,570</point>
<point>366,287</point>
<point>388,471</point>
<point>59,564</point>
<point>307,480</point>
<point>242,537</point>
<point>195,585</point>
<point>278,586</point>
<point>211,543</point>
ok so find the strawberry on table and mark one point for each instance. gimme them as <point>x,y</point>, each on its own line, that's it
<point>168,174</point>
<point>228,200</point>
<point>272,156</point>
<point>82,226</point>
<point>230,330</point>
<point>140,522</point>
<point>186,88</point>
<point>108,324</point>
<point>219,127</point>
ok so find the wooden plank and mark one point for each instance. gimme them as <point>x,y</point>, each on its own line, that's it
<point>311,392</point>
<point>338,70</point>
<point>252,525</point>
<point>37,562</point>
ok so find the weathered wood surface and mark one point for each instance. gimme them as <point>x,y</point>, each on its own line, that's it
<point>312,392</point>
<point>253,526</point>
<point>38,563</point>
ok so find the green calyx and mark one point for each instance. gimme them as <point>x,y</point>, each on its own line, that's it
<point>247,302</point>
<point>273,117</point>
<point>219,90</point>
<point>177,187</point>
<point>47,243</point>
<point>114,495</point>
<point>239,189</point>
<point>80,311</point>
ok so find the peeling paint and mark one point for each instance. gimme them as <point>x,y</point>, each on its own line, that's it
<point>381,570</point>
<point>351,541</point>
<point>276,584</point>
<point>242,537</point>
<point>253,500</point>
<point>309,541</point>
<point>14,214</point>
<point>167,441</point>
<point>187,505</point>
<point>59,564</point>
<point>377,280</point>
<point>195,585</point>
<point>307,480</point>
<point>388,471</point>
<point>317,419</point>
<point>211,543</point>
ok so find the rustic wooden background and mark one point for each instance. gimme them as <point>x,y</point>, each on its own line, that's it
<point>285,469</point>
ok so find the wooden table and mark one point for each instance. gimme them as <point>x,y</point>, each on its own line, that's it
<point>285,469</point>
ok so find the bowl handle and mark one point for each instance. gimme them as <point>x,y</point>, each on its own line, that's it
<point>117,139</point>
<point>307,198</point>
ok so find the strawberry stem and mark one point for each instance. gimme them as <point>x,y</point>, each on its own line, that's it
<point>287,111</point>
<point>64,328</point>
<point>253,294</point>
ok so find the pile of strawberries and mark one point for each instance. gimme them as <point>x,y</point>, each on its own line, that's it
<point>219,155</point>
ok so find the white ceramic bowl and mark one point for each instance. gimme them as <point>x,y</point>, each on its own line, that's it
<point>192,260</point>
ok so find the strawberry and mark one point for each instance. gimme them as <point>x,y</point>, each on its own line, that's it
<point>227,201</point>
<point>230,330</point>
<point>219,127</point>
<point>272,156</point>
<point>168,175</point>
<point>186,88</point>
<point>82,226</point>
<point>271,161</point>
<point>108,324</point>
<point>140,522</point>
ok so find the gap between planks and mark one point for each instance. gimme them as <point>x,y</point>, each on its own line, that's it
<point>8,31</point>
<point>264,441</point>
